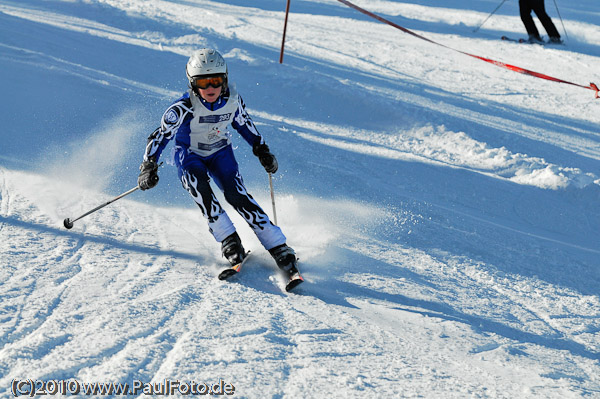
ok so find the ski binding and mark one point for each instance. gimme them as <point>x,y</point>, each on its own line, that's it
<point>233,270</point>
<point>294,280</point>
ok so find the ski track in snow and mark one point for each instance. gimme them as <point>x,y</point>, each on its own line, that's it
<point>445,211</point>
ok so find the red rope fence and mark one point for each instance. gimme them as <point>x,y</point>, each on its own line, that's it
<point>591,86</point>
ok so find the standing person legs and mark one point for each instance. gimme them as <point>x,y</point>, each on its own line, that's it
<point>540,11</point>
<point>525,8</point>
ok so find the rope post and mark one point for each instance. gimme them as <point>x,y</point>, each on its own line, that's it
<point>287,11</point>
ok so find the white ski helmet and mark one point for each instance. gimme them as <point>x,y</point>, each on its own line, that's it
<point>205,61</point>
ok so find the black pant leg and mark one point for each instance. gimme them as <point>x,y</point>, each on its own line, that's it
<point>525,8</point>
<point>540,11</point>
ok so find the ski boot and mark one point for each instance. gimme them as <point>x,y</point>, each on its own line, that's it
<point>555,40</point>
<point>286,260</point>
<point>285,257</point>
<point>535,39</point>
<point>232,249</point>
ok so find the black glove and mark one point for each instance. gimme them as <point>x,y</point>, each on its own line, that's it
<point>148,177</point>
<point>267,160</point>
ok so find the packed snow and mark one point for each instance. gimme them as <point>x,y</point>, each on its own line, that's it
<point>446,211</point>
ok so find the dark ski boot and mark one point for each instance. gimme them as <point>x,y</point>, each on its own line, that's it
<point>232,249</point>
<point>286,260</point>
<point>285,257</point>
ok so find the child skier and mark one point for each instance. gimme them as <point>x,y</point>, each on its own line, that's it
<point>199,122</point>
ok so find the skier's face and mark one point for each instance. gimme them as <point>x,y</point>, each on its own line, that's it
<point>210,94</point>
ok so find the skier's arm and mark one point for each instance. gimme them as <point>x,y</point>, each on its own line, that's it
<point>170,123</point>
<point>158,140</point>
<point>244,125</point>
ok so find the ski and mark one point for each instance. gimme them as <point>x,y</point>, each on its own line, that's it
<point>294,280</point>
<point>233,270</point>
<point>291,272</point>
<point>510,39</point>
<point>527,41</point>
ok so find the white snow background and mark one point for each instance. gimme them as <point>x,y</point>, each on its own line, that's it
<point>446,212</point>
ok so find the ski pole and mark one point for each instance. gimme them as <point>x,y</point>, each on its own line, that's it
<point>273,198</point>
<point>561,20</point>
<point>493,12</point>
<point>68,223</point>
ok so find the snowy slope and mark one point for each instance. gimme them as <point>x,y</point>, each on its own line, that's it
<point>446,211</point>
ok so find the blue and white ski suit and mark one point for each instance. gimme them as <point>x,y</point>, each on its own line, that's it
<point>203,151</point>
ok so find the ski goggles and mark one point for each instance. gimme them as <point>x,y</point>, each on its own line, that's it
<point>202,82</point>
